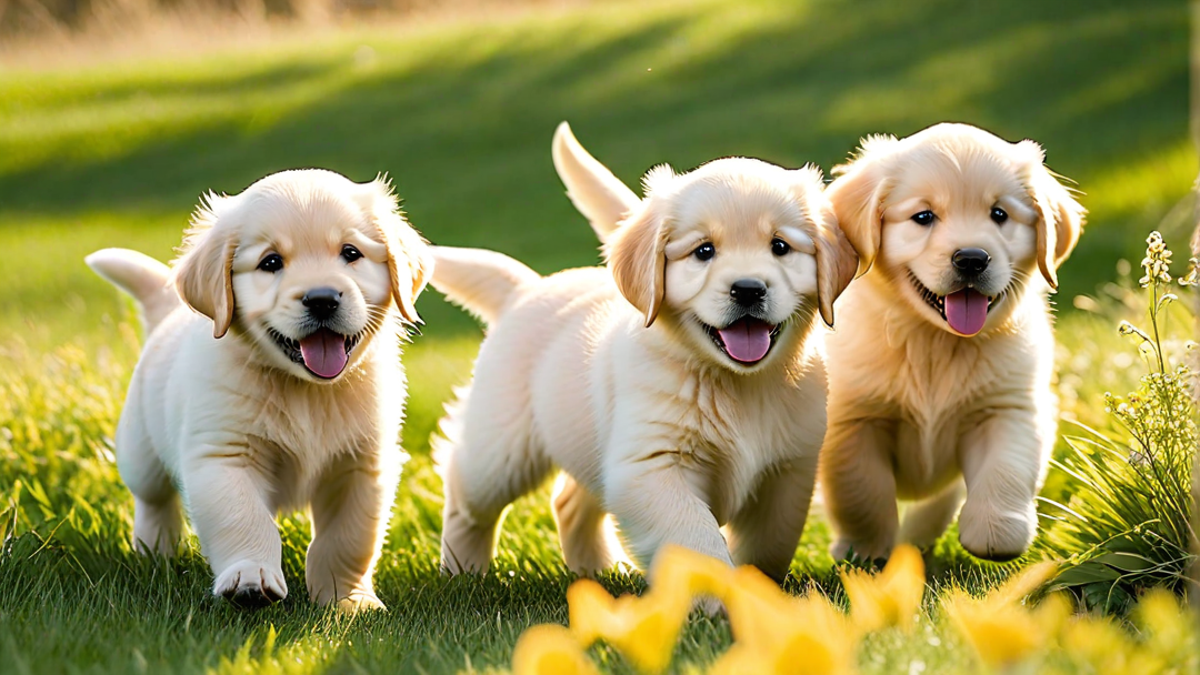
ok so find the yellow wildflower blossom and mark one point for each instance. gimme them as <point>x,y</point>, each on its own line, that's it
<point>890,598</point>
<point>775,633</point>
<point>1104,646</point>
<point>1023,583</point>
<point>643,629</point>
<point>550,649</point>
<point>683,573</point>
<point>1000,629</point>
<point>1170,630</point>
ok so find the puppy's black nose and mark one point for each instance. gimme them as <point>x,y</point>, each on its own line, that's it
<point>322,302</point>
<point>748,292</point>
<point>971,260</point>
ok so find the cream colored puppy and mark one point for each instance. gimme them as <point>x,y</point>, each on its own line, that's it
<point>282,390</point>
<point>944,387</point>
<point>681,389</point>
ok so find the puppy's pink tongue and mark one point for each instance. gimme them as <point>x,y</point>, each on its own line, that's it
<point>324,353</point>
<point>966,311</point>
<point>746,340</point>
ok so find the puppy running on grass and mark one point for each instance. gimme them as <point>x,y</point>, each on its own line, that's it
<point>943,393</point>
<point>283,389</point>
<point>680,389</point>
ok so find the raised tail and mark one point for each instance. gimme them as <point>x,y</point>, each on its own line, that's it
<point>480,281</point>
<point>147,280</point>
<point>599,195</point>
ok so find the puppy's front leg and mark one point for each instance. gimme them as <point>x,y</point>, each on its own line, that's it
<point>350,511</point>
<point>859,486</point>
<point>655,504</point>
<point>767,530</point>
<point>1003,458</point>
<point>237,531</point>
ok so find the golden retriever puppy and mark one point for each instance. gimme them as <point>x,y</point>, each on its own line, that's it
<point>943,388</point>
<point>282,390</point>
<point>681,389</point>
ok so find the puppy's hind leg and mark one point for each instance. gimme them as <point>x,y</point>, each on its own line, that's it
<point>486,463</point>
<point>927,520</point>
<point>157,512</point>
<point>587,545</point>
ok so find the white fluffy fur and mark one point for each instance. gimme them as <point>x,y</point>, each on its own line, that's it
<point>916,411</point>
<point>230,429</point>
<point>608,375</point>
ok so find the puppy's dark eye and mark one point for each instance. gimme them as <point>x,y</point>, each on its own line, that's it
<point>350,254</point>
<point>705,252</point>
<point>780,247</point>
<point>999,215</point>
<point>272,263</point>
<point>923,218</point>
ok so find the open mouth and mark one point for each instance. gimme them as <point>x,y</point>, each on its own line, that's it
<point>965,310</point>
<point>324,352</point>
<point>747,340</point>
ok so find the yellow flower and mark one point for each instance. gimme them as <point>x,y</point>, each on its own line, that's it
<point>890,598</point>
<point>550,650</point>
<point>777,634</point>
<point>1000,629</point>
<point>643,629</point>
<point>683,573</point>
<point>1001,635</point>
<point>1170,630</point>
<point>1107,649</point>
<point>1022,584</point>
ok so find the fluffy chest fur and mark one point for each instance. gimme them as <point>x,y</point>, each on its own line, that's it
<point>286,430</point>
<point>926,387</point>
<point>726,430</point>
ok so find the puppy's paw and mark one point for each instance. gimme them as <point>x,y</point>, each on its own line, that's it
<point>995,535</point>
<point>360,601</point>
<point>859,553</point>
<point>250,584</point>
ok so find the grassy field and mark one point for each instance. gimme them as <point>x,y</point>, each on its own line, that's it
<point>460,114</point>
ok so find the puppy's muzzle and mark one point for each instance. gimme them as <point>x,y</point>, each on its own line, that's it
<point>322,302</point>
<point>748,292</point>
<point>971,262</point>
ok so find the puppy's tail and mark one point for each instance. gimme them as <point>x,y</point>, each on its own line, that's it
<point>480,281</point>
<point>147,280</point>
<point>599,195</point>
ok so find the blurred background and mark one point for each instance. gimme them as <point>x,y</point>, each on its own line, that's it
<point>115,115</point>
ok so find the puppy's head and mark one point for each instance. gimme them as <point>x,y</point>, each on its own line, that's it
<point>957,221</point>
<point>738,254</point>
<point>306,265</point>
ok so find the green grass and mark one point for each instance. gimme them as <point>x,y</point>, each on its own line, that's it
<point>461,114</point>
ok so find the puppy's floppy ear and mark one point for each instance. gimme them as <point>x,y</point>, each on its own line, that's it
<point>635,251</point>
<point>419,262</point>
<point>837,263</point>
<point>836,258</point>
<point>1060,217</point>
<point>857,196</point>
<point>408,258</point>
<point>204,270</point>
